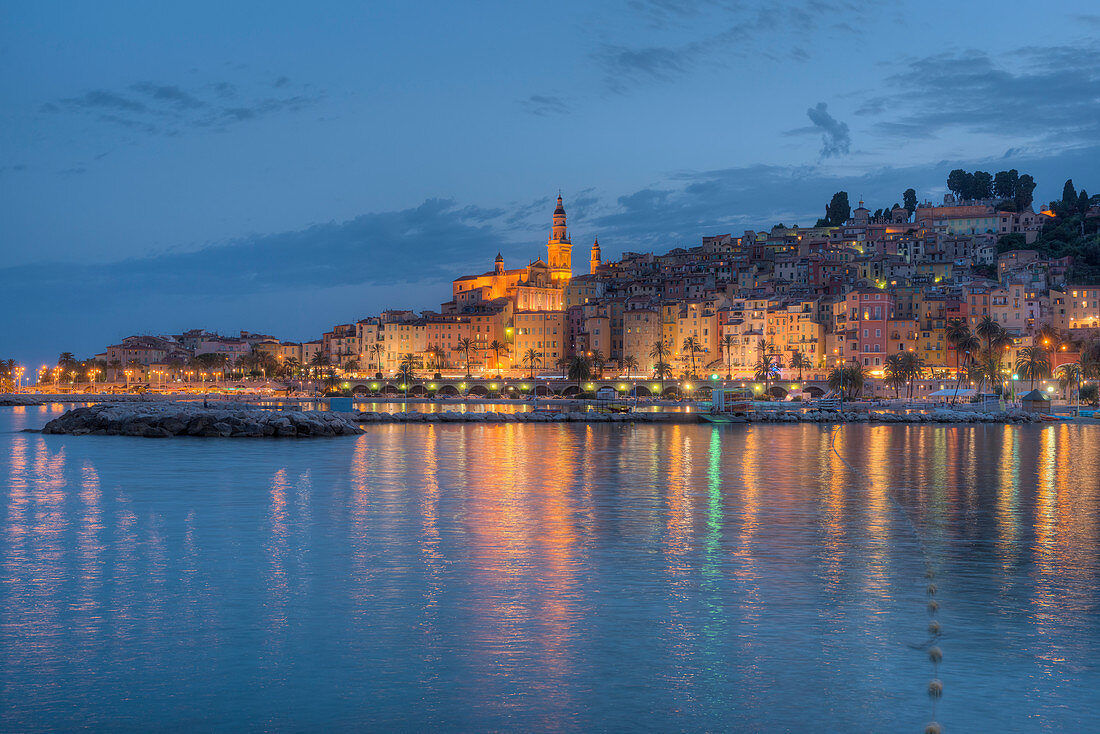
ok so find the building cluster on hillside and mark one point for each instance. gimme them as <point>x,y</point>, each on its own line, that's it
<point>854,293</point>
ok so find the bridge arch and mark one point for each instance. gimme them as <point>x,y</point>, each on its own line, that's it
<point>449,391</point>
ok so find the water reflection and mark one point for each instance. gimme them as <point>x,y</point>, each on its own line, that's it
<point>549,577</point>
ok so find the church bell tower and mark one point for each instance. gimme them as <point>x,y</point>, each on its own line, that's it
<point>559,249</point>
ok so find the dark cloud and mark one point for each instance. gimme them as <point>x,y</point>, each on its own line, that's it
<point>626,67</point>
<point>431,241</point>
<point>747,29</point>
<point>1054,95</point>
<point>542,105</point>
<point>156,108</point>
<point>835,138</point>
<point>102,99</point>
<point>168,93</point>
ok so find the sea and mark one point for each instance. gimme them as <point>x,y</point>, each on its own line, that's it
<point>552,577</point>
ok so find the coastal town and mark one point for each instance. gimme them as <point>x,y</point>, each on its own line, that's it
<point>909,299</point>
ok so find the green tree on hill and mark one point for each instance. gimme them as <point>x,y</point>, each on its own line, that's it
<point>910,199</point>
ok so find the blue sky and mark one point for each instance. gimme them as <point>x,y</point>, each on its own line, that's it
<point>283,167</point>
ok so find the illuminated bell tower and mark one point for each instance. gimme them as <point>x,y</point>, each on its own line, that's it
<point>595,259</point>
<point>559,249</point>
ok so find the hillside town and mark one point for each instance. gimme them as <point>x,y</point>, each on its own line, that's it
<point>926,290</point>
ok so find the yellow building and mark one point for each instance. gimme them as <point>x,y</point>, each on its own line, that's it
<point>537,287</point>
<point>542,331</point>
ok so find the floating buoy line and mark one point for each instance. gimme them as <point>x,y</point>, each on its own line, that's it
<point>935,630</point>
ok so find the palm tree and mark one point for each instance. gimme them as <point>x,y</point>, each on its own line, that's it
<point>1069,374</point>
<point>957,332</point>
<point>562,363</point>
<point>532,359</point>
<point>663,370</point>
<point>1048,337</point>
<point>596,362</point>
<point>893,369</point>
<point>987,328</point>
<point>659,352</point>
<point>465,344</point>
<point>846,380</point>
<point>1033,364</point>
<point>629,364</point>
<point>406,372</point>
<point>799,362</point>
<point>968,344</point>
<point>765,370</point>
<point>728,342</point>
<point>377,350</point>
<point>691,346</point>
<point>912,367</point>
<point>1090,359</point>
<point>579,368</point>
<point>498,346</point>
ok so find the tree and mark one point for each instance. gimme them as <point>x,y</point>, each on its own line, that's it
<point>562,363</point>
<point>799,362</point>
<point>579,369</point>
<point>1090,359</point>
<point>596,361</point>
<point>465,344</point>
<point>1033,364</point>
<point>1082,202</point>
<point>1068,376</point>
<point>1069,196</point>
<point>766,367</point>
<point>910,199</point>
<point>377,350</point>
<point>893,371</point>
<point>1025,189</point>
<point>532,359</point>
<point>66,360</point>
<point>660,351</point>
<point>497,347</point>
<point>987,328</point>
<point>837,212</point>
<point>728,341</point>
<point>846,380</point>
<point>957,183</point>
<point>981,185</point>
<point>352,365</point>
<point>691,347</point>
<point>912,367</point>
<point>957,332</point>
<point>630,364</point>
<point>663,371</point>
<point>1004,184</point>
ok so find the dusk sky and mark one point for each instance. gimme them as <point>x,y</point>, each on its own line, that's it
<point>256,166</point>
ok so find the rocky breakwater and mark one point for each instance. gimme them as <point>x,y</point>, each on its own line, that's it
<point>934,416</point>
<point>162,420</point>
<point>525,417</point>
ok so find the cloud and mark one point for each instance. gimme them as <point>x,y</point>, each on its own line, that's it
<point>746,29</point>
<point>626,67</point>
<point>167,93</point>
<point>431,241</point>
<point>543,105</point>
<point>157,108</point>
<point>835,139</point>
<point>1053,96</point>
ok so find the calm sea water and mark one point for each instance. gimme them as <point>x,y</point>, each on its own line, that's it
<point>550,577</point>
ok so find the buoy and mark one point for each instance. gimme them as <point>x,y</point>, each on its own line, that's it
<point>931,589</point>
<point>935,688</point>
<point>932,607</point>
<point>930,574</point>
<point>934,628</point>
<point>935,655</point>
<point>933,728</point>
